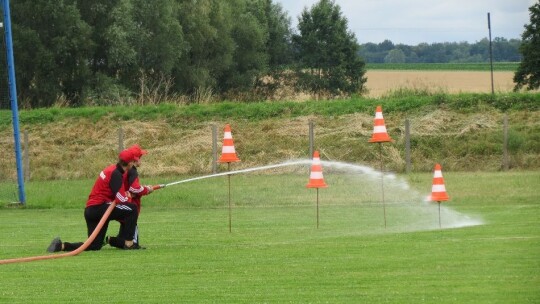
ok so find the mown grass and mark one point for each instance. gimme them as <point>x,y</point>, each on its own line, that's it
<point>477,66</point>
<point>275,253</point>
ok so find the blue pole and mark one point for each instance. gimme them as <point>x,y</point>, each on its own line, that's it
<point>13,99</point>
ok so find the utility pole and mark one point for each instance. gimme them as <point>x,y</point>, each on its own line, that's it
<point>490,54</point>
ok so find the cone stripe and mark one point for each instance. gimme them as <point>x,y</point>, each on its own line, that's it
<point>378,115</point>
<point>438,188</point>
<point>316,175</point>
<point>437,174</point>
<point>228,149</point>
<point>379,129</point>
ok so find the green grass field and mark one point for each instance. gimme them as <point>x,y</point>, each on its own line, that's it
<point>275,253</point>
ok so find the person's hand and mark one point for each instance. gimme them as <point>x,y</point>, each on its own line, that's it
<point>150,189</point>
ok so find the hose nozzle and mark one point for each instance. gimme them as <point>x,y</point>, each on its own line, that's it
<point>156,187</point>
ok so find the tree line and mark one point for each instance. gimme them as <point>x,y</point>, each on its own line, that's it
<point>136,51</point>
<point>504,50</point>
<point>106,52</point>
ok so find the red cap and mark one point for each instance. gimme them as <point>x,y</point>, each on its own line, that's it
<point>127,156</point>
<point>137,151</point>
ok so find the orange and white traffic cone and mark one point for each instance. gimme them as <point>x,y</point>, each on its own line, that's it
<point>228,153</point>
<point>438,190</point>
<point>379,129</point>
<point>316,179</point>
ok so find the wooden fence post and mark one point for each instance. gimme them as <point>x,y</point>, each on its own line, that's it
<point>505,143</point>
<point>214,149</point>
<point>120,139</point>
<point>311,138</point>
<point>26,166</point>
<point>407,146</point>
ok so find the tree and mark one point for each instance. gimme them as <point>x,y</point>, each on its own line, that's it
<point>386,45</point>
<point>370,53</point>
<point>138,44</point>
<point>160,36</point>
<point>250,34</point>
<point>52,46</point>
<point>207,26</point>
<point>328,52</point>
<point>278,46</point>
<point>528,73</point>
<point>395,56</point>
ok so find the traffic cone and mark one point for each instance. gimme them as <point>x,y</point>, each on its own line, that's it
<point>379,129</point>
<point>228,153</point>
<point>438,190</point>
<point>316,179</point>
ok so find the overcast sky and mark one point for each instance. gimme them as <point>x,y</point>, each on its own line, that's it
<point>414,21</point>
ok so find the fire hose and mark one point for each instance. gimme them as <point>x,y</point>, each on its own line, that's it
<point>71,253</point>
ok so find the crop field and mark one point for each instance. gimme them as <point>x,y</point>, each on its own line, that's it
<point>479,66</point>
<point>384,82</point>
<point>486,251</point>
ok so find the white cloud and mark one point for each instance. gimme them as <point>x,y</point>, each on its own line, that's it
<point>416,21</point>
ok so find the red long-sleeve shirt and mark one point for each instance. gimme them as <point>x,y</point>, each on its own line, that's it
<point>134,186</point>
<point>109,187</point>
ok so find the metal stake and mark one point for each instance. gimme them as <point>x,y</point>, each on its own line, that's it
<point>317,208</point>
<point>439,203</point>
<point>382,183</point>
<point>230,208</point>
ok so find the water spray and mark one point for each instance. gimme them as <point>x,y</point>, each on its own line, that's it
<point>379,136</point>
<point>291,163</point>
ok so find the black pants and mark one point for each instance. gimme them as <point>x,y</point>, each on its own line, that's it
<point>118,241</point>
<point>127,213</point>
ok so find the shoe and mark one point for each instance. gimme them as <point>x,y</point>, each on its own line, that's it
<point>55,246</point>
<point>135,246</point>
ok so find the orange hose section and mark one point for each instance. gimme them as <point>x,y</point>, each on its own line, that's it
<point>71,253</point>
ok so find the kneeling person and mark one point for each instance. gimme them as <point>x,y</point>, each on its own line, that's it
<point>108,188</point>
<point>132,184</point>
